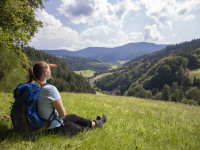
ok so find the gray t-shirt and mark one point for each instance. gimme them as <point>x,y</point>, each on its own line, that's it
<point>48,94</point>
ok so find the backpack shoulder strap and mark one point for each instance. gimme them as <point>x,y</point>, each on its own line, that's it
<point>51,118</point>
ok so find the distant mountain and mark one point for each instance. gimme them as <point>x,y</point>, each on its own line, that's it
<point>112,55</point>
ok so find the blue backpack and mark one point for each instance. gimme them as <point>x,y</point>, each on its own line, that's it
<point>24,115</point>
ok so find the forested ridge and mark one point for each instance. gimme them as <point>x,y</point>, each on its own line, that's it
<point>83,63</point>
<point>112,55</point>
<point>63,78</point>
<point>162,75</point>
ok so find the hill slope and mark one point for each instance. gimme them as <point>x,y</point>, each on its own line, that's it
<point>132,124</point>
<point>147,75</point>
<point>112,55</point>
<point>83,63</point>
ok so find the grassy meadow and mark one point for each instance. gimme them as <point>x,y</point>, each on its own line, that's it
<point>86,73</point>
<point>132,123</point>
<point>122,62</point>
<point>195,73</point>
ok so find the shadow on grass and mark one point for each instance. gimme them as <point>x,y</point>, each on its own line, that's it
<point>7,133</point>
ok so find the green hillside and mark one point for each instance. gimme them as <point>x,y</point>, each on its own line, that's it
<point>195,73</point>
<point>132,123</point>
<point>86,73</point>
<point>161,75</point>
<point>83,63</point>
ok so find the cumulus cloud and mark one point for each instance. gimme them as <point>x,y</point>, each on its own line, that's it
<point>104,36</point>
<point>55,35</point>
<point>122,8</point>
<point>47,19</point>
<point>84,11</point>
<point>86,8</point>
<point>189,17</point>
<point>96,31</point>
<point>136,36</point>
<point>151,33</point>
<point>100,23</point>
<point>188,6</point>
<point>168,11</point>
<point>89,11</point>
<point>182,11</point>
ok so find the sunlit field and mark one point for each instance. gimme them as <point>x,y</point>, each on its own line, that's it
<point>86,73</point>
<point>132,123</point>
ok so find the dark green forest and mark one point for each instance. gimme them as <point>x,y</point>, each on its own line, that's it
<point>83,63</point>
<point>162,75</point>
<point>63,78</point>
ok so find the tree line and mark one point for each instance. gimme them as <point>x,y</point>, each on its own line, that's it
<point>83,63</point>
<point>162,75</point>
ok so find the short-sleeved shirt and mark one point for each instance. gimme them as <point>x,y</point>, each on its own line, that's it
<point>49,94</point>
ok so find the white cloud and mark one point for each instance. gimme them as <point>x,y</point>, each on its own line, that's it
<point>104,36</point>
<point>152,34</point>
<point>54,35</point>
<point>90,11</point>
<point>188,18</point>
<point>96,31</point>
<point>100,23</point>
<point>168,11</point>
<point>161,11</point>
<point>136,36</point>
<point>47,19</point>
<point>188,6</point>
<point>84,11</point>
<point>122,8</point>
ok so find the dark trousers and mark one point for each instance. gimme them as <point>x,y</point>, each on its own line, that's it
<point>73,124</point>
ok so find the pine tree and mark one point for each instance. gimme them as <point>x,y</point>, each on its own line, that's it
<point>174,87</point>
<point>166,93</point>
<point>177,96</point>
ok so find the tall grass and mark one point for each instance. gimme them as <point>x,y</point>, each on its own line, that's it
<point>132,124</point>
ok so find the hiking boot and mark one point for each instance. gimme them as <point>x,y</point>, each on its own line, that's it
<point>100,123</point>
<point>98,118</point>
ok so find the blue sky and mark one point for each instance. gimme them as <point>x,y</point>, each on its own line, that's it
<point>78,24</point>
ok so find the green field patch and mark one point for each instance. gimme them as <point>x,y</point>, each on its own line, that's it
<point>92,80</point>
<point>122,62</point>
<point>86,73</point>
<point>113,67</point>
<point>132,123</point>
<point>195,73</point>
